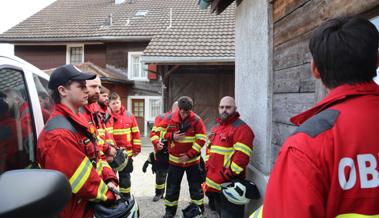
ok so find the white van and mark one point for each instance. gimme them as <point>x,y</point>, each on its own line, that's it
<point>24,103</point>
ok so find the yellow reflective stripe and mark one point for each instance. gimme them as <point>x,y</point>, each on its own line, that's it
<point>125,190</point>
<point>137,141</point>
<point>176,159</point>
<point>121,131</point>
<point>206,157</point>
<point>101,192</point>
<point>213,184</point>
<point>170,203</point>
<point>196,147</point>
<point>201,137</point>
<point>198,202</point>
<point>100,141</point>
<point>135,129</point>
<point>257,213</point>
<point>101,131</point>
<point>105,164</point>
<point>161,186</point>
<point>356,215</point>
<point>99,167</point>
<point>155,129</point>
<point>81,175</point>
<point>243,148</point>
<point>154,138</point>
<point>186,139</point>
<point>109,129</point>
<point>221,150</point>
<point>235,168</point>
<point>109,141</point>
<point>129,152</point>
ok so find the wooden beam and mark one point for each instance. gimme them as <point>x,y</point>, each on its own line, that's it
<point>167,74</point>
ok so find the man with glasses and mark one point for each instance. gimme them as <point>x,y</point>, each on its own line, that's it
<point>228,152</point>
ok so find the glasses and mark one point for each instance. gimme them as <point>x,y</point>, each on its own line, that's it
<point>226,107</point>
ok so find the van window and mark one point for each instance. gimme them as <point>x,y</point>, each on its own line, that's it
<point>43,96</point>
<point>17,135</point>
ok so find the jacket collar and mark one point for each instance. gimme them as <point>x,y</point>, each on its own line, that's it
<point>177,119</point>
<point>79,118</point>
<point>121,113</point>
<point>338,94</point>
<point>229,120</point>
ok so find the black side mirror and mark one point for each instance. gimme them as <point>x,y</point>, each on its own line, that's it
<point>33,193</point>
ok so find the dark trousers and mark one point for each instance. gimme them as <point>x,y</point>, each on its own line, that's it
<point>224,208</point>
<point>160,181</point>
<point>124,180</point>
<point>174,179</point>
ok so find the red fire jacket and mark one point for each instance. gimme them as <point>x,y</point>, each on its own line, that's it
<point>329,166</point>
<point>126,132</point>
<point>64,146</point>
<point>155,133</point>
<point>191,144</point>
<point>230,146</point>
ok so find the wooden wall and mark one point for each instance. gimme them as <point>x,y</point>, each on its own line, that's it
<point>293,88</point>
<point>206,85</point>
<point>117,53</point>
<point>43,57</point>
<point>95,54</point>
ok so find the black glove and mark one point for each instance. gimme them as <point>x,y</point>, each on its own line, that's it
<point>145,165</point>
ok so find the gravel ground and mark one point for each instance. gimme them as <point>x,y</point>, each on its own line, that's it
<point>143,189</point>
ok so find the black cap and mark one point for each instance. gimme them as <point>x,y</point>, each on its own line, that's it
<point>63,74</point>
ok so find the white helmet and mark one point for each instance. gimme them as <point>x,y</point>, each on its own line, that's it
<point>240,191</point>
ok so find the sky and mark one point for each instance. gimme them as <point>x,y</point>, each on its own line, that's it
<point>13,12</point>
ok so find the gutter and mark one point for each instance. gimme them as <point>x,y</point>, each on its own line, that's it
<point>78,39</point>
<point>186,60</point>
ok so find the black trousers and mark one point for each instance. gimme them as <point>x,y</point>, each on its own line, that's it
<point>160,181</point>
<point>124,179</point>
<point>224,208</point>
<point>174,179</point>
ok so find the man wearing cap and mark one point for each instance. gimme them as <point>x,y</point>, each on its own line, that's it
<point>66,144</point>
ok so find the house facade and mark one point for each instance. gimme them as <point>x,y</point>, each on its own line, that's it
<point>272,78</point>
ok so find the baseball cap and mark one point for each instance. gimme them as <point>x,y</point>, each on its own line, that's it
<point>63,74</point>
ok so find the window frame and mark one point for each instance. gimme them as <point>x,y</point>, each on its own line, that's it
<point>68,54</point>
<point>141,66</point>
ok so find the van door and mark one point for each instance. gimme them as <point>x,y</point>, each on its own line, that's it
<point>17,129</point>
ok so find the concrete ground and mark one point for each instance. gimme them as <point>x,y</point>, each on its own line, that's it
<point>143,189</point>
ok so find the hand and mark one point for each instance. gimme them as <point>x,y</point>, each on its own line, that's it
<point>178,136</point>
<point>183,158</point>
<point>160,146</point>
<point>114,187</point>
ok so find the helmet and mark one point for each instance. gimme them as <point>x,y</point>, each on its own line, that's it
<point>240,191</point>
<point>192,211</point>
<point>120,160</point>
<point>118,209</point>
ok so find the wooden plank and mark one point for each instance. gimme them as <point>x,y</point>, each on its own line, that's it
<point>294,79</point>
<point>287,105</point>
<point>281,8</point>
<point>313,13</point>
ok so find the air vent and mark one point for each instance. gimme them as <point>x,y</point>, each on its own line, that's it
<point>141,13</point>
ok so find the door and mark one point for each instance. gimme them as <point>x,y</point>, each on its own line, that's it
<point>138,109</point>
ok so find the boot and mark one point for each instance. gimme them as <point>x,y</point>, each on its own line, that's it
<point>157,197</point>
<point>170,212</point>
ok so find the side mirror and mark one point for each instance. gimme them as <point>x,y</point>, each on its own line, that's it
<point>33,193</point>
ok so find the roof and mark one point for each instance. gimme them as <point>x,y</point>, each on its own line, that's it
<point>197,33</point>
<point>104,74</point>
<point>191,32</point>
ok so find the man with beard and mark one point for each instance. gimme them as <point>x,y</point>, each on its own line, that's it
<point>103,99</point>
<point>229,149</point>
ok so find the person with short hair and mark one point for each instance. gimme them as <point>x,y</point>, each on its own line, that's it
<point>127,136</point>
<point>329,166</point>
<point>185,132</point>
<point>103,99</point>
<point>67,144</point>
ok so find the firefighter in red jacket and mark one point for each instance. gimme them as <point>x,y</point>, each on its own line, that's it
<point>185,133</point>
<point>66,144</point>
<point>329,166</point>
<point>229,149</point>
<point>161,164</point>
<point>127,136</point>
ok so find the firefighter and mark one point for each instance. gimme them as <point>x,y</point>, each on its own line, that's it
<point>127,136</point>
<point>103,100</point>
<point>185,132</point>
<point>229,149</point>
<point>161,154</point>
<point>67,144</point>
<point>329,166</point>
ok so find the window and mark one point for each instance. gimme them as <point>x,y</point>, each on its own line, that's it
<point>155,107</point>
<point>141,13</point>
<point>17,137</point>
<point>43,96</point>
<point>75,54</point>
<point>375,21</point>
<point>136,70</point>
